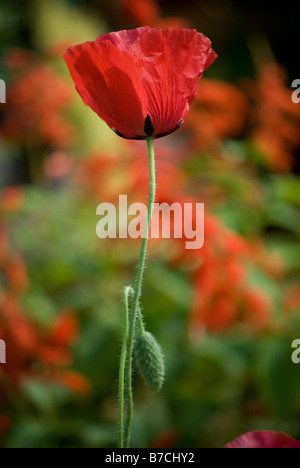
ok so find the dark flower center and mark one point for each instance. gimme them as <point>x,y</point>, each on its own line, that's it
<point>149,130</point>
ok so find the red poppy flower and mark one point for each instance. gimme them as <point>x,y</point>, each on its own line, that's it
<point>264,439</point>
<point>141,82</point>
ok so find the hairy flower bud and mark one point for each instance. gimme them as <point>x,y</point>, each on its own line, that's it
<point>150,361</point>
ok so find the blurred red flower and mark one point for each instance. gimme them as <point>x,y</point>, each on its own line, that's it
<point>28,345</point>
<point>72,380</point>
<point>222,296</point>
<point>142,81</point>
<point>3,245</point>
<point>17,277</point>
<point>277,118</point>
<point>37,100</point>
<point>220,111</point>
<point>147,13</point>
<point>264,439</point>
<point>11,199</point>
<point>142,12</point>
<point>34,352</point>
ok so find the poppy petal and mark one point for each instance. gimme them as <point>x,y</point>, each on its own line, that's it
<point>263,439</point>
<point>170,63</point>
<point>141,82</point>
<point>124,39</point>
<point>108,82</point>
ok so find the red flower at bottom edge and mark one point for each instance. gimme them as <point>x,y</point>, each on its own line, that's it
<point>142,81</point>
<point>264,439</point>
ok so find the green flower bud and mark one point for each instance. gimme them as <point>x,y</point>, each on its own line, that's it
<point>150,361</point>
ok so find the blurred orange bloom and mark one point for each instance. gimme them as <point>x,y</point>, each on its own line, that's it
<point>12,266</point>
<point>17,274</point>
<point>141,12</point>
<point>277,118</point>
<point>34,352</point>
<point>259,308</point>
<point>3,245</point>
<point>72,380</point>
<point>147,13</point>
<point>65,329</point>
<point>34,113</point>
<point>11,199</point>
<point>220,111</point>
<point>222,296</point>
